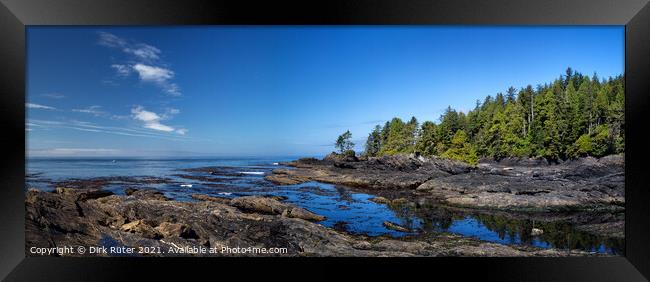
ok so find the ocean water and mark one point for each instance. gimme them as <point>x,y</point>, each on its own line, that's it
<point>344,208</point>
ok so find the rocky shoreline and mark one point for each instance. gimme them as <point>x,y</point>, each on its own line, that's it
<point>585,184</point>
<point>94,217</point>
<point>587,193</point>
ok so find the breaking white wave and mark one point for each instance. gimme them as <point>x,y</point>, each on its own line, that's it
<point>252,172</point>
<point>186,185</point>
<point>275,163</point>
<point>225,193</point>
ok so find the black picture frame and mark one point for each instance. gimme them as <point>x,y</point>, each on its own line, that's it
<point>15,15</point>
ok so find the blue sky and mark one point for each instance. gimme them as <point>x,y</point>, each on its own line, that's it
<point>276,91</point>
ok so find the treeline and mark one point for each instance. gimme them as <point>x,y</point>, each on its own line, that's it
<point>574,116</point>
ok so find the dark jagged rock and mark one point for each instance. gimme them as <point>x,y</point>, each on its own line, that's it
<point>141,228</point>
<point>379,200</point>
<point>584,184</point>
<point>277,198</point>
<point>149,194</point>
<point>144,219</point>
<point>396,227</point>
<point>341,159</point>
<point>85,194</point>
<point>344,165</point>
<point>280,177</point>
<point>168,229</point>
<point>269,205</point>
<point>202,197</point>
<point>129,191</point>
<point>510,184</point>
<point>387,172</point>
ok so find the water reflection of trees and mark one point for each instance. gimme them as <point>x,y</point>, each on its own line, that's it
<point>558,234</point>
<point>431,218</point>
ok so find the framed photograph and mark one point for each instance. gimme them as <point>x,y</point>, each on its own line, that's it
<point>503,136</point>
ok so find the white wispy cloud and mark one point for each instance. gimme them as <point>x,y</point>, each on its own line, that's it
<point>121,70</point>
<point>92,127</point>
<point>73,152</point>
<point>53,95</point>
<point>153,120</point>
<point>143,51</point>
<point>111,40</point>
<point>104,152</point>
<point>140,50</point>
<point>93,110</point>
<point>119,117</point>
<point>158,126</point>
<point>172,89</point>
<point>152,73</point>
<point>45,122</point>
<point>169,113</point>
<point>147,62</point>
<point>38,106</point>
<point>30,126</point>
<point>159,75</point>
